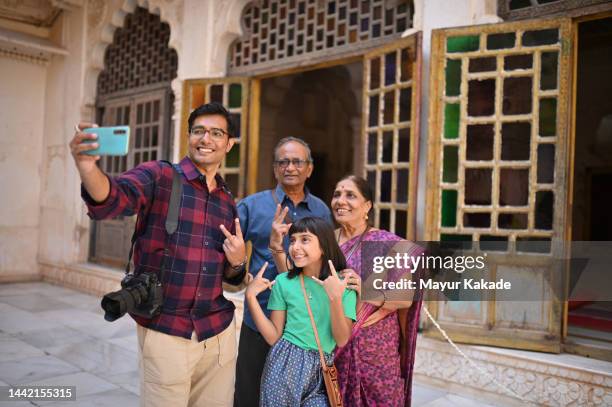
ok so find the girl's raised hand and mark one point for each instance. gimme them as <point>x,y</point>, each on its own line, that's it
<point>334,286</point>
<point>259,284</point>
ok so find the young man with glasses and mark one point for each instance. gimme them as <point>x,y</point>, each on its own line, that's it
<point>292,167</point>
<point>188,352</point>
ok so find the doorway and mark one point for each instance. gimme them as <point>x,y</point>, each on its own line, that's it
<point>590,323</point>
<point>322,107</point>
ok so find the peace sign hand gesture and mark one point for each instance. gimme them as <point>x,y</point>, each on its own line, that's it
<point>259,284</point>
<point>279,228</point>
<point>233,245</point>
<point>333,285</point>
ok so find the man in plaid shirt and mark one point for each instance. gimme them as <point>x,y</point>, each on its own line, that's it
<point>188,352</point>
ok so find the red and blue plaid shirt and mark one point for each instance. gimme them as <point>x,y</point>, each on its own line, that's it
<point>193,293</point>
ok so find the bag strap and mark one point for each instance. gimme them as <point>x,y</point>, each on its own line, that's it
<point>275,198</point>
<point>174,205</point>
<point>171,217</point>
<point>312,322</point>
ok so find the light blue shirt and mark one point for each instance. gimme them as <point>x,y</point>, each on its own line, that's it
<point>256,214</point>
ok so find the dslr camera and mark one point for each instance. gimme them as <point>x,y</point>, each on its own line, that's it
<point>140,295</point>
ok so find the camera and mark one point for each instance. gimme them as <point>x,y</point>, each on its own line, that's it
<point>140,295</point>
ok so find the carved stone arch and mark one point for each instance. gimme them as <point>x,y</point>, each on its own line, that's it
<point>230,25</point>
<point>102,19</point>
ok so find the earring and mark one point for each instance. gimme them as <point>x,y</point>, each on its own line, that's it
<point>366,217</point>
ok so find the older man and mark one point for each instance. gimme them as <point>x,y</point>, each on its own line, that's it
<point>292,167</point>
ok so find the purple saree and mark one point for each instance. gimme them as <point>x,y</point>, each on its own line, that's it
<point>375,367</point>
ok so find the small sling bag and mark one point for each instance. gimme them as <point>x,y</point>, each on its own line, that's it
<point>330,373</point>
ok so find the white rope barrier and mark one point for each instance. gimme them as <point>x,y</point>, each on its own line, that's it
<point>470,361</point>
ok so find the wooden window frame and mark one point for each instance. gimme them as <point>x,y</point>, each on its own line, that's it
<point>548,337</point>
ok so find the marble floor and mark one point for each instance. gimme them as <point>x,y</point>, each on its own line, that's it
<point>51,335</point>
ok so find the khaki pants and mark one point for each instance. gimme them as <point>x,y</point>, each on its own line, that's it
<point>177,372</point>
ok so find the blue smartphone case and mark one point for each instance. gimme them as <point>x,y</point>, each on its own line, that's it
<point>111,140</point>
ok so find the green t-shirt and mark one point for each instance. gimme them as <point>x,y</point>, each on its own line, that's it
<point>287,296</point>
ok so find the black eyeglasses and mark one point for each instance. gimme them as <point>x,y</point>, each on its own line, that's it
<point>284,163</point>
<point>215,133</point>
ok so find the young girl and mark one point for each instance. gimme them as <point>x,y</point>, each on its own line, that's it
<point>292,374</point>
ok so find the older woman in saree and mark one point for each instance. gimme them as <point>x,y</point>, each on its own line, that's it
<point>375,366</point>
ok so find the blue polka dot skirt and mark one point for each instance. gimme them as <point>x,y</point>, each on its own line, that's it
<point>292,377</point>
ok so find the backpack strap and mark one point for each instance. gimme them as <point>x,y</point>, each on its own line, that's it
<point>174,207</point>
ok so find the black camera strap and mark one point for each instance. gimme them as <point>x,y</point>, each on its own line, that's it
<point>171,218</point>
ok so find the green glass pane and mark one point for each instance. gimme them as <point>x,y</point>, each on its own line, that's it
<point>450,164</point>
<point>463,44</point>
<point>548,117</point>
<point>451,120</point>
<point>235,95</point>
<point>449,208</point>
<point>232,159</point>
<point>453,77</point>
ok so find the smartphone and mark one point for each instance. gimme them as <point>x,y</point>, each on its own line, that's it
<point>111,140</point>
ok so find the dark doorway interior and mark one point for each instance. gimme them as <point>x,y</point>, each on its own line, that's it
<point>322,107</point>
<point>591,216</point>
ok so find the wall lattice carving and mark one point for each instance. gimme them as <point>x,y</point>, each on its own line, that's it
<point>139,55</point>
<point>278,29</point>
